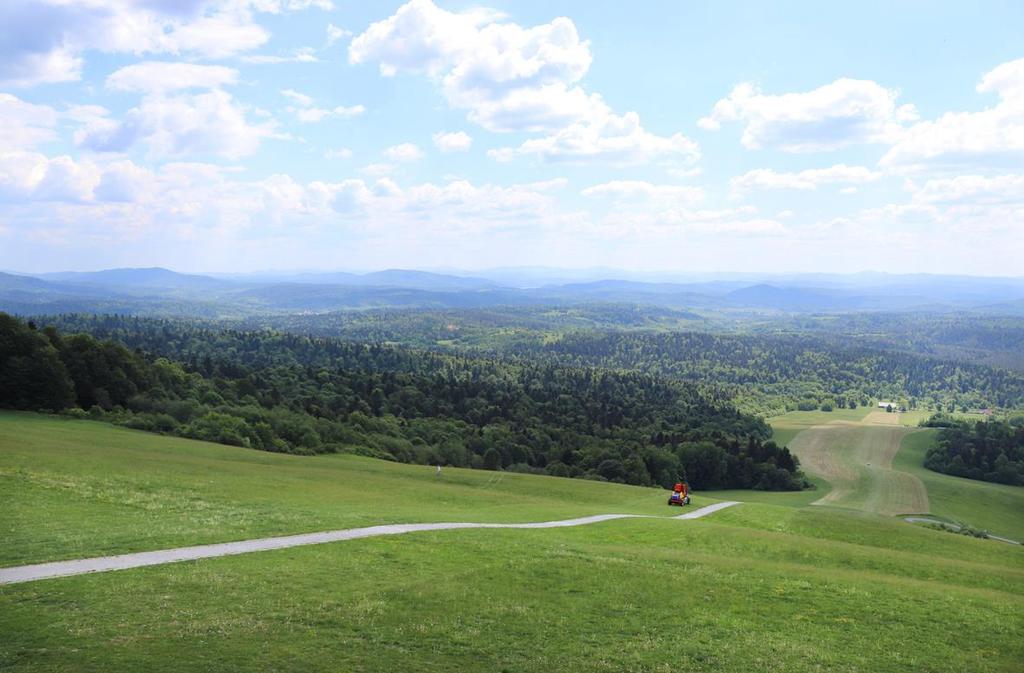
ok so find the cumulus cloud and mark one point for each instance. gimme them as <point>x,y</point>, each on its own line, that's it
<point>666,224</point>
<point>993,137</point>
<point>300,55</point>
<point>843,113</point>
<point>61,32</point>
<point>336,34</point>
<point>810,179</point>
<point>25,124</point>
<point>507,77</point>
<point>404,153</point>
<point>625,190</point>
<point>208,123</point>
<point>188,200</point>
<point>643,210</point>
<point>305,109</point>
<point>974,190</point>
<point>34,177</point>
<point>511,78</point>
<point>456,141</point>
<point>606,137</point>
<point>162,76</point>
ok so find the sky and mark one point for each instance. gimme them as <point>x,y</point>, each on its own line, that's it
<point>651,136</point>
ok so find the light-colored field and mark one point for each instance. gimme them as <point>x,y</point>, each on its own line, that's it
<point>876,465</point>
<point>878,417</point>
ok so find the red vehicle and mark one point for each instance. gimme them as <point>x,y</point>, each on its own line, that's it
<point>680,494</point>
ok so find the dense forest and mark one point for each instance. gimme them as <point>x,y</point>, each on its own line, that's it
<point>988,450</point>
<point>774,373</point>
<point>995,340</point>
<point>291,393</point>
<point>764,374</point>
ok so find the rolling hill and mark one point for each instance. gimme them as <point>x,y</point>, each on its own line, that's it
<point>756,587</point>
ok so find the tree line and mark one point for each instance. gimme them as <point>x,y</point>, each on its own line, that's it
<point>991,450</point>
<point>291,393</point>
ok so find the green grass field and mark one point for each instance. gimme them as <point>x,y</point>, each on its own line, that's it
<point>752,588</point>
<point>70,489</point>
<point>997,508</point>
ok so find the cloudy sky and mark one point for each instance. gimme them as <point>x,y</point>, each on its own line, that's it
<point>687,136</point>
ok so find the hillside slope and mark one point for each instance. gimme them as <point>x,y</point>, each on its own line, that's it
<point>752,588</point>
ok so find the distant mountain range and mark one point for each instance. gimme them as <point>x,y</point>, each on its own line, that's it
<point>162,291</point>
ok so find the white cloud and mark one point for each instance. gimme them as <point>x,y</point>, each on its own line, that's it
<point>405,152</point>
<point>625,190</point>
<point>810,179</point>
<point>340,153</point>
<point>377,169</point>
<point>25,124</point>
<point>190,201</point>
<point>419,37</point>
<point>456,141</point>
<point>170,122</point>
<point>843,113</point>
<point>163,76</point>
<point>661,225</point>
<point>974,190</point>
<point>182,125</point>
<point>62,31</point>
<point>33,177</point>
<point>511,78</point>
<point>348,111</point>
<point>315,114</point>
<point>993,137</point>
<point>336,34</point>
<point>306,111</point>
<point>300,55</point>
<point>507,77</point>
<point>608,138</point>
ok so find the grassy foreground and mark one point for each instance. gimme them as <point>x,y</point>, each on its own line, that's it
<point>753,588</point>
<point>70,489</point>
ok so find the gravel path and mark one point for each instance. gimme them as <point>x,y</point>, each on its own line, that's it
<point>41,571</point>
<point>954,526</point>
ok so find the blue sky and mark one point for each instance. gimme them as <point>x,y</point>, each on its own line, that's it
<point>682,136</point>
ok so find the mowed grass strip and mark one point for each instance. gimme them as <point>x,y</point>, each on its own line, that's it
<point>856,460</point>
<point>619,596</point>
<point>74,489</point>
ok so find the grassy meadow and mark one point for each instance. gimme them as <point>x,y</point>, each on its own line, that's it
<point>997,508</point>
<point>753,588</point>
<point>70,489</point>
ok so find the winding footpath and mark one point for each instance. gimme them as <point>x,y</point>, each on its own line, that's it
<point>40,571</point>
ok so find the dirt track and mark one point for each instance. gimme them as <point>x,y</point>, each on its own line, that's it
<point>856,459</point>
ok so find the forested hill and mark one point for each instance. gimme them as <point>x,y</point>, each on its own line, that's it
<point>773,373</point>
<point>765,374</point>
<point>293,393</point>
<point>990,450</point>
